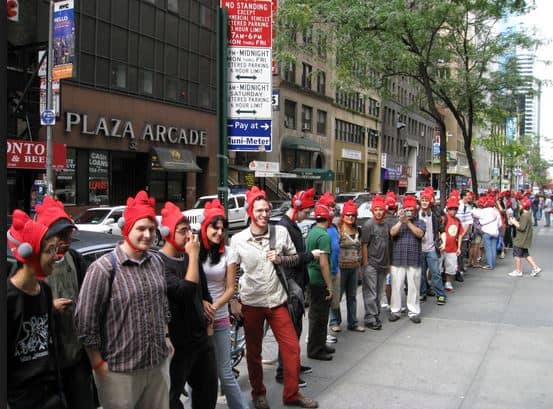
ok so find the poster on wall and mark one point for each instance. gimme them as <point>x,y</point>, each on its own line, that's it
<point>63,40</point>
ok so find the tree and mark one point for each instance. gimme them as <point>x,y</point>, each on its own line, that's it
<point>447,47</point>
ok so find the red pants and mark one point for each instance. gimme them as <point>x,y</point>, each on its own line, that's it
<point>285,334</point>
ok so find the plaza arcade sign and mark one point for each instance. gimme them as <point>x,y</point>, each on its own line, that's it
<point>117,128</point>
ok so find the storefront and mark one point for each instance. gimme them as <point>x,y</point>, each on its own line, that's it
<point>117,145</point>
<point>390,179</point>
<point>350,170</point>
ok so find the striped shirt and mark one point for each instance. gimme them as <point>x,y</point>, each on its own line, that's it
<point>135,316</point>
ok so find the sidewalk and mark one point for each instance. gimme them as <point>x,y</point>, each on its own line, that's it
<point>489,347</point>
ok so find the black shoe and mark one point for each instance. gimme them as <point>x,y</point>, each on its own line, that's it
<point>279,378</point>
<point>375,325</point>
<point>415,319</point>
<point>306,369</point>
<point>394,317</point>
<point>321,357</point>
<point>329,350</point>
<point>302,383</point>
<point>459,277</point>
<point>430,292</point>
<point>422,298</point>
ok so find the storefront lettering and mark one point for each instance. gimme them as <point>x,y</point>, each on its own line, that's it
<point>116,128</point>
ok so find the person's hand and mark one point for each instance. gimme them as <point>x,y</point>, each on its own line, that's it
<point>61,304</point>
<point>170,347</point>
<point>328,296</point>
<point>236,308</point>
<point>209,310</point>
<point>102,370</point>
<point>458,252</point>
<point>273,257</point>
<point>316,253</point>
<point>192,246</point>
<point>402,218</point>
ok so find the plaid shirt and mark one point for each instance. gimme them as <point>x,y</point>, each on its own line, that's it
<point>407,247</point>
<point>133,335</point>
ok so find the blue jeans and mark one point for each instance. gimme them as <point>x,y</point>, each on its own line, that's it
<point>429,260</point>
<point>231,389</point>
<point>348,285</point>
<point>490,245</point>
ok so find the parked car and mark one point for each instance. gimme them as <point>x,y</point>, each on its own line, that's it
<point>237,216</point>
<point>91,245</point>
<point>104,220</point>
<point>278,212</point>
<point>357,197</point>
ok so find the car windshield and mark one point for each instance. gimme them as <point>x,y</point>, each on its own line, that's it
<point>95,216</point>
<point>200,203</point>
<point>344,198</point>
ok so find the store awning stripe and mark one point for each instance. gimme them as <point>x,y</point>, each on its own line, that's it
<point>174,160</point>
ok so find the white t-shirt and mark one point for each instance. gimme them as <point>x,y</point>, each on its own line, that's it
<point>216,275</point>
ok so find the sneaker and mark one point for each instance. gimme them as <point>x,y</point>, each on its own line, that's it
<point>430,292</point>
<point>415,319</point>
<point>535,271</point>
<point>331,339</point>
<point>515,273</point>
<point>260,402</point>
<point>374,325</point>
<point>280,379</point>
<point>384,306</point>
<point>448,286</point>
<point>459,276</point>
<point>306,369</point>
<point>440,300</point>
<point>403,310</point>
<point>487,267</point>
<point>502,255</point>
<point>422,298</point>
<point>302,383</point>
<point>394,317</point>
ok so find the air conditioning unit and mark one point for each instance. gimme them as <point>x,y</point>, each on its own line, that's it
<point>377,104</point>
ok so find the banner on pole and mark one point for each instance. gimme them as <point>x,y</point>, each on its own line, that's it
<point>63,40</point>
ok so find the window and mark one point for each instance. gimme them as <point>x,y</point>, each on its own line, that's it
<point>306,75</point>
<point>289,114</point>
<point>306,118</point>
<point>66,179</point>
<point>321,82</point>
<point>321,46</point>
<point>98,177</point>
<point>372,139</point>
<point>118,75</point>
<point>348,132</point>
<point>321,122</point>
<point>146,82</point>
<point>289,72</point>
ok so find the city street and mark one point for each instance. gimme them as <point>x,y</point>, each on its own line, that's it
<point>489,347</point>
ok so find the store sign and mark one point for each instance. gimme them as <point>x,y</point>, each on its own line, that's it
<point>351,154</point>
<point>116,128</point>
<point>32,155</point>
<point>249,73</point>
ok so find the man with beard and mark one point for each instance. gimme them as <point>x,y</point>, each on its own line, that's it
<point>263,297</point>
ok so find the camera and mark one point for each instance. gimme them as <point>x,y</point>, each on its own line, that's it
<point>408,213</point>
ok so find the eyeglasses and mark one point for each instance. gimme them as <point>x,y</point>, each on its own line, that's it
<point>183,231</point>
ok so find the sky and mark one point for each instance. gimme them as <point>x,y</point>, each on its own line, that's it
<point>540,21</point>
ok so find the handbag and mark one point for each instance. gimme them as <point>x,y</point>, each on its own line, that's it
<point>295,299</point>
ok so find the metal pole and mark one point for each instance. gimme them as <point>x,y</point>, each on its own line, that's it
<point>222,72</point>
<point>49,105</point>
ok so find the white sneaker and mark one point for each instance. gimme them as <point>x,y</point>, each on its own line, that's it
<point>384,306</point>
<point>448,285</point>
<point>515,273</point>
<point>331,339</point>
<point>535,272</point>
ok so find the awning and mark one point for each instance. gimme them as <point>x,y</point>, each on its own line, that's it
<point>174,160</point>
<point>314,173</point>
<point>300,144</point>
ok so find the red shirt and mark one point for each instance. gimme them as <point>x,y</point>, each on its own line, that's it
<point>453,229</point>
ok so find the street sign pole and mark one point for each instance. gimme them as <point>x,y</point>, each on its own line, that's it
<point>222,68</point>
<point>49,105</point>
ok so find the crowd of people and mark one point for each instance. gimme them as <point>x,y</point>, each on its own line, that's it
<point>137,325</point>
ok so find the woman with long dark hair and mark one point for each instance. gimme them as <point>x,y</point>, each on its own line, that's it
<point>219,265</point>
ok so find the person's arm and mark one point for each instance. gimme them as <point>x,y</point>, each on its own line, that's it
<point>324,264</point>
<point>416,230</point>
<point>394,230</point>
<point>229,289</point>
<point>289,257</point>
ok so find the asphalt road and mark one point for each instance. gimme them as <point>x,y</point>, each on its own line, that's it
<point>489,347</point>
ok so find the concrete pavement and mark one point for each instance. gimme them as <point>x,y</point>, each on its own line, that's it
<point>489,347</point>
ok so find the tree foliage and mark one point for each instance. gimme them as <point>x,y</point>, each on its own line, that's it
<point>452,50</point>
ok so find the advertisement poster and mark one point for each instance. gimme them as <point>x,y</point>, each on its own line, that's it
<point>64,40</point>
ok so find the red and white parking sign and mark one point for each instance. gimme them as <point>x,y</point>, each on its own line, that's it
<point>250,23</point>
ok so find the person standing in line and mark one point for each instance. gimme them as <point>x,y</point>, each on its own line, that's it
<point>33,381</point>
<point>523,240</point>
<point>191,312</point>
<point>65,282</point>
<point>375,261</point>
<point>349,261</point>
<point>329,201</point>
<point>320,285</point>
<point>429,257</point>
<point>407,234</point>
<point>218,262</point>
<point>547,210</point>
<point>452,238</point>
<point>464,214</point>
<point>122,316</point>
<point>264,298</point>
<point>489,221</point>
<point>303,203</point>
<point>390,218</point>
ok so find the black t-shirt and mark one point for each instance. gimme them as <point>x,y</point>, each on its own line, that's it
<point>31,360</point>
<point>188,326</point>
